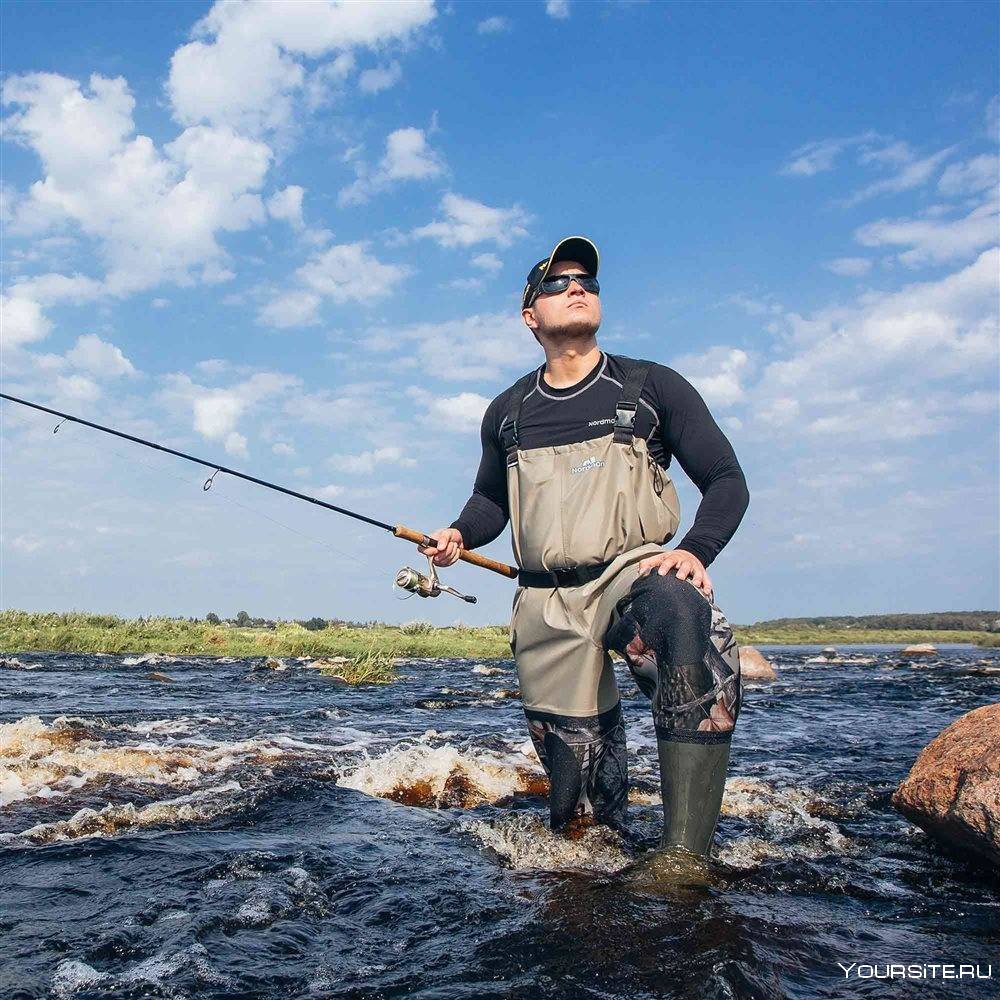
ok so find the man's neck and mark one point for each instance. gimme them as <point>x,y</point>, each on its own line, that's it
<point>567,364</point>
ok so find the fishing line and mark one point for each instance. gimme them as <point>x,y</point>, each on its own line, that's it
<point>426,585</point>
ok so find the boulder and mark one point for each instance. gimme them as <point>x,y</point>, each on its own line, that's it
<point>156,675</point>
<point>919,649</point>
<point>754,666</point>
<point>953,789</point>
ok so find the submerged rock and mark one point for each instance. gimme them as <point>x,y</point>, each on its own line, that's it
<point>953,790</point>
<point>754,666</point>
<point>156,675</point>
<point>919,649</point>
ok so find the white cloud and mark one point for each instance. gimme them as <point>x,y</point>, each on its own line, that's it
<point>488,262</point>
<point>343,273</point>
<point>78,387</point>
<point>821,155</point>
<point>716,374</point>
<point>295,308</point>
<point>913,175</point>
<point>367,461</point>
<point>154,216</point>
<point>21,321</point>
<point>474,347</point>
<point>849,267</point>
<point>216,412</point>
<point>282,448</point>
<point>374,81</point>
<point>407,157</point>
<point>933,240</point>
<point>247,60</point>
<point>870,369</point>
<point>468,222</point>
<point>348,273</point>
<point>970,177</point>
<point>286,204</point>
<point>462,413</point>
<point>557,8</point>
<point>992,117</point>
<point>160,303</point>
<point>493,26</point>
<point>98,357</point>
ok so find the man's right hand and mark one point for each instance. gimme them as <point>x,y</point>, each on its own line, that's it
<point>449,545</point>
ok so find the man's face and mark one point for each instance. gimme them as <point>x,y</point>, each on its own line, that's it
<point>563,315</point>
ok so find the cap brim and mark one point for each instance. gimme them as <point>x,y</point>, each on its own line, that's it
<point>577,248</point>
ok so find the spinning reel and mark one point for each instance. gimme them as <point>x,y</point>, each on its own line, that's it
<point>427,585</point>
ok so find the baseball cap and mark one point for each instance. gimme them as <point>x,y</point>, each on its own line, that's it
<point>577,248</point>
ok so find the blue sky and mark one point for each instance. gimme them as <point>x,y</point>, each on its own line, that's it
<point>292,237</point>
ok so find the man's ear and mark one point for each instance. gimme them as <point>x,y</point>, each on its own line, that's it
<point>528,315</point>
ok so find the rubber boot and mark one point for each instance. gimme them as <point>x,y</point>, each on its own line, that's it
<point>692,781</point>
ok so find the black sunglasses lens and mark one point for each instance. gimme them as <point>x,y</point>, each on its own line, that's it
<point>561,282</point>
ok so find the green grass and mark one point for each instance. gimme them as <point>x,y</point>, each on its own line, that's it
<point>371,649</point>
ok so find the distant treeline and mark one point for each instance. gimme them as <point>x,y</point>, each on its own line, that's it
<point>945,621</point>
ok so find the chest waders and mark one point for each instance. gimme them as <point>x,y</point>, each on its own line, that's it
<point>583,516</point>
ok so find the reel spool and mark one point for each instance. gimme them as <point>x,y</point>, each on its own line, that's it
<point>427,585</point>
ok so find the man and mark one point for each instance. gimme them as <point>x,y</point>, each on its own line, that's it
<point>575,455</point>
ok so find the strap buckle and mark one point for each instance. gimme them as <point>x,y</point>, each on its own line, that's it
<point>625,413</point>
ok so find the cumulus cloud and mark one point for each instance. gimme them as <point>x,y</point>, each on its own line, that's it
<point>374,81</point>
<point>216,412</point>
<point>481,346</point>
<point>488,262</point>
<point>408,157</point>
<point>366,462</point>
<point>343,273</point>
<point>717,374</point>
<point>558,9</point>
<point>462,413</point>
<point>286,204</point>
<point>21,321</point>
<point>849,267</point>
<point>78,388</point>
<point>248,60</point>
<point>154,215</point>
<point>935,240</point>
<point>99,358</point>
<point>493,26</point>
<point>467,222</point>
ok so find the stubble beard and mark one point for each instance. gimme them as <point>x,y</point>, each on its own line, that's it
<point>573,330</point>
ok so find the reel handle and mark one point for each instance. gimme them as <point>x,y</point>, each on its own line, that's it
<point>484,562</point>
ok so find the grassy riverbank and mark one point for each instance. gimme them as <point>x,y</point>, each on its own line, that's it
<point>369,648</point>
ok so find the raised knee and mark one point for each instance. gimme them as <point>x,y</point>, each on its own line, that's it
<point>677,598</point>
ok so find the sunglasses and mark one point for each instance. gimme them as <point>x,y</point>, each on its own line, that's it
<point>560,282</point>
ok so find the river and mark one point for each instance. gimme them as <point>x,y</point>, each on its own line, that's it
<point>190,827</point>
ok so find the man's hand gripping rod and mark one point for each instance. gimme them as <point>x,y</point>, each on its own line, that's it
<point>429,585</point>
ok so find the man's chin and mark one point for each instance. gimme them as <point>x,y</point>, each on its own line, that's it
<point>579,330</point>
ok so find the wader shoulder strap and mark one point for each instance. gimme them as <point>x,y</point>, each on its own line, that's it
<point>628,403</point>
<point>509,433</point>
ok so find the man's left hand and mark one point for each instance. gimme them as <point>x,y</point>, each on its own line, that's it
<point>687,565</point>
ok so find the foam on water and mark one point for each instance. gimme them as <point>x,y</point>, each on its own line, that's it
<point>525,843</point>
<point>444,777</point>
<point>115,820</point>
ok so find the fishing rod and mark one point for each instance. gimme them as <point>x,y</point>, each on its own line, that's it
<point>423,584</point>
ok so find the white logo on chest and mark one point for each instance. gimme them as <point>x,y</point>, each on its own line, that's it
<point>586,466</point>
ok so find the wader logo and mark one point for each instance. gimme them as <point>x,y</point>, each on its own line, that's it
<point>590,463</point>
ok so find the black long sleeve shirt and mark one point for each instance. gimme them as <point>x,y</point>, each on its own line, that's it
<point>671,416</point>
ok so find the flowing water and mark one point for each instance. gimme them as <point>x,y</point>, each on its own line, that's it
<point>187,827</point>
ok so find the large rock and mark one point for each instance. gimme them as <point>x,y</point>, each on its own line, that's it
<point>754,666</point>
<point>919,649</point>
<point>953,790</point>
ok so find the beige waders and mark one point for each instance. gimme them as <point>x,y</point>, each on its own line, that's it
<point>583,517</point>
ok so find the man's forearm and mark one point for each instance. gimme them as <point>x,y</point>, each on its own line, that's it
<point>722,507</point>
<point>481,520</point>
